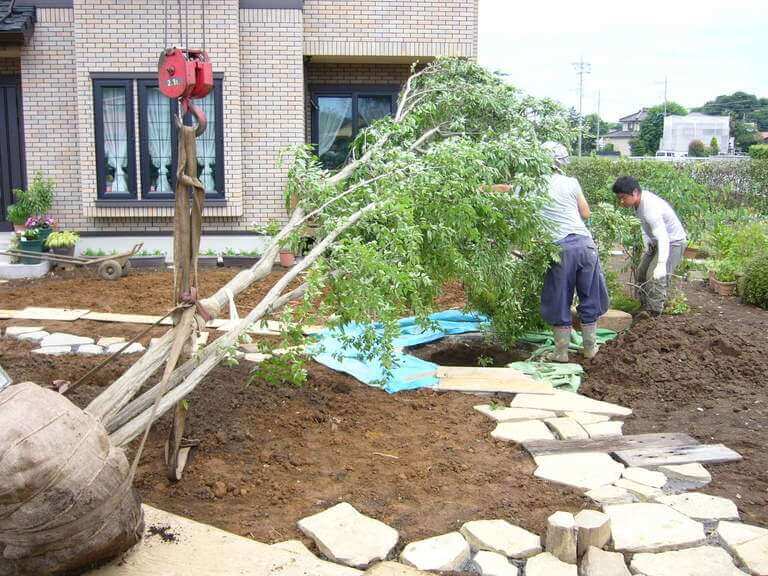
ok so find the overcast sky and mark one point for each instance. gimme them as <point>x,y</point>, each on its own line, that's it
<point>704,48</point>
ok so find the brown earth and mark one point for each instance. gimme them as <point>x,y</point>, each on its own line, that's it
<point>421,461</point>
<point>705,374</point>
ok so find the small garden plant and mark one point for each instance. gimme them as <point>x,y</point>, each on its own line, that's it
<point>62,239</point>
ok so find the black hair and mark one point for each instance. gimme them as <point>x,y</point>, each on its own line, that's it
<point>625,185</point>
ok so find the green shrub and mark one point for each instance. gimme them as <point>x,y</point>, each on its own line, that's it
<point>696,149</point>
<point>754,288</point>
<point>714,147</point>
<point>758,151</point>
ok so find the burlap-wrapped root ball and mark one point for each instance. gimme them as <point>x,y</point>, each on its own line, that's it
<point>66,502</point>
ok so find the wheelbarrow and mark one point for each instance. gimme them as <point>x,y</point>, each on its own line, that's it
<point>109,267</point>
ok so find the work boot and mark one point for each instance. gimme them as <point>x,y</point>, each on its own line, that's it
<point>589,340</point>
<point>562,342</point>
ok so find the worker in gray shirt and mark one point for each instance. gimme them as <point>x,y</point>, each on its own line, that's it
<point>578,269</point>
<point>663,236</point>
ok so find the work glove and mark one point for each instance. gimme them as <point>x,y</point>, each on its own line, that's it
<point>660,272</point>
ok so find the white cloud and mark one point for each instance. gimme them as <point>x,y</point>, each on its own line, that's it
<point>705,49</point>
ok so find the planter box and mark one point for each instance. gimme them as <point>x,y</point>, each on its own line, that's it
<point>147,261</point>
<point>722,288</point>
<point>207,261</point>
<point>68,251</point>
<point>694,253</point>
<point>239,261</point>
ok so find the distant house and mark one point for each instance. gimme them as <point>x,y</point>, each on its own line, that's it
<point>630,128</point>
<point>680,131</point>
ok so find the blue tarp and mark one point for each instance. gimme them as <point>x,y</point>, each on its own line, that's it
<point>409,372</point>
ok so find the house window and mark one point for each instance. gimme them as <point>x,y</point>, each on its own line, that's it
<point>338,114</point>
<point>157,142</point>
<point>115,157</point>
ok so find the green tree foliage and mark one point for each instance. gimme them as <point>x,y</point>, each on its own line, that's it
<point>759,151</point>
<point>740,106</point>
<point>637,147</point>
<point>696,149</point>
<point>421,182</point>
<point>714,147</point>
<point>652,128</point>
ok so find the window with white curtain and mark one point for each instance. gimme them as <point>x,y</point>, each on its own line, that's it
<point>115,157</point>
<point>116,141</point>
<point>339,113</point>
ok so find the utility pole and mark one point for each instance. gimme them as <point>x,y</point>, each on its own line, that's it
<point>665,96</point>
<point>581,69</point>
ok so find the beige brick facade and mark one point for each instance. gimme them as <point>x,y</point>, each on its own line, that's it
<point>267,58</point>
<point>394,28</point>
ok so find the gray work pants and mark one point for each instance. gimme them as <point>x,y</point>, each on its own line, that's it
<point>653,293</point>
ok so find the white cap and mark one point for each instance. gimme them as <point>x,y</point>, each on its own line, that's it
<point>558,152</point>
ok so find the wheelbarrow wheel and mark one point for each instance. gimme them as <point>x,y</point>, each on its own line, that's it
<point>126,267</point>
<point>110,270</point>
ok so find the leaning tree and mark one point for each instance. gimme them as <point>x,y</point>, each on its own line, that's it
<point>413,208</point>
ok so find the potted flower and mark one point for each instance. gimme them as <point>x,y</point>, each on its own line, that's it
<point>208,258</point>
<point>240,258</point>
<point>43,224</point>
<point>30,242</point>
<point>37,199</point>
<point>723,276</point>
<point>63,242</point>
<point>146,259</point>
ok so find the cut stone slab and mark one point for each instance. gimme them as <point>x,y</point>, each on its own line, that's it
<point>199,549</point>
<point>134,348</point>
<point>62,339</point>
<point>522,431</point>
<point>494,564</point>
<point>33,336</point>
<point>567,428</point>
<point>611,495</point>
<point>346,536</point>
<point>701,561</point>
<point>505,414</point>
<point>587,418</point>
<point>616,320</point>
<point>641,491</point>
<point>502,537</point>
<point>754,555</point>
<point>693,472</point>
<point>293,546</point>
<point>594,530</point>
<point>53,350</point>
<point>644,476</point>
<point>561,536</point>
<point>604,429</point>
<point>109,340</point>
<point>584,470</point>
<point>393,569</point>
<point>652,527</point>
<point>597,562</point>
<point>15,331</point>
<point>562,401</point>
<point>547,565</point>
<point>448,552</point>
<point>61,314</point>
<point>733,534</point>
<point>89,350</point>
<point>702,506</point>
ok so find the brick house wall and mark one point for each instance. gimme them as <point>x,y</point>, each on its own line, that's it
<point>267,58</point>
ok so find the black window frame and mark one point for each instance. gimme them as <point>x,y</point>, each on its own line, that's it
<point>142,83</point>
<point>98,113</point>
<point>353,91</point>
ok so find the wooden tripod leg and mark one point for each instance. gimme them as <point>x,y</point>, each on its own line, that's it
<point>173,444</point>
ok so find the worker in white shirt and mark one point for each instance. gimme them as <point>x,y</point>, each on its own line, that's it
<point>663,236</point>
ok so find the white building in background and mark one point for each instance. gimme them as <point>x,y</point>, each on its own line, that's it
<point>680,131</point>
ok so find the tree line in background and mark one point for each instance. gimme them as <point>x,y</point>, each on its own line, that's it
<point>748,117</point>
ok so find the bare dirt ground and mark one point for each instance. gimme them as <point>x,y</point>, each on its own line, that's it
<point>421,461</point>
